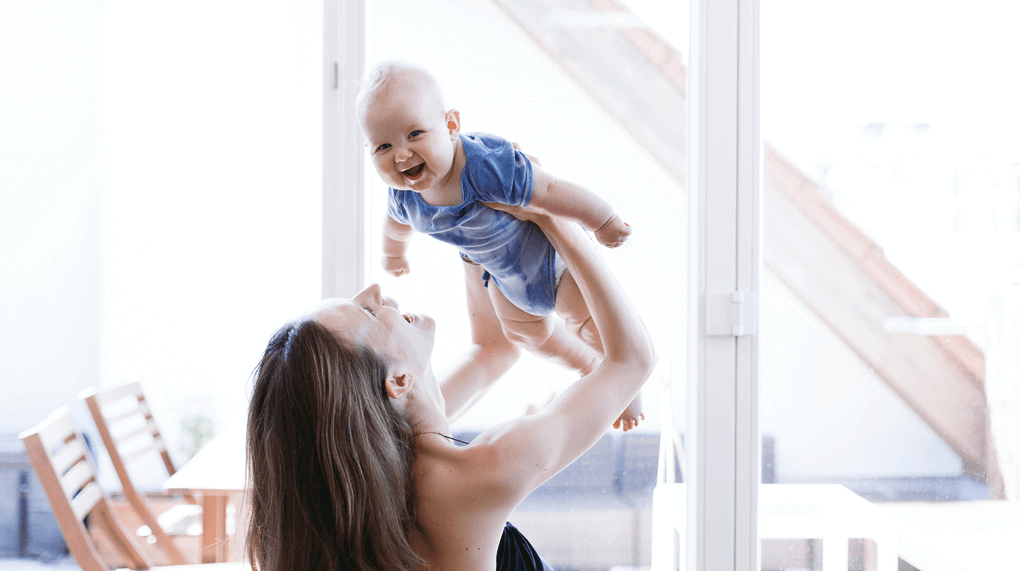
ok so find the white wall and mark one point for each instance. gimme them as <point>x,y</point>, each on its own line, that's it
<point>830,415</point>
<point>160,170</point>
<point>50,204</point>
<point>211,230</point>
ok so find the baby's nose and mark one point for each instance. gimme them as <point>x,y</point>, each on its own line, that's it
<point>402,155</point>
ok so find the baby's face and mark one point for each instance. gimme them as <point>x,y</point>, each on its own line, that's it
<point>411,146</point>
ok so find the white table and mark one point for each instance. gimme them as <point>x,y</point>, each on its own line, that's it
<point>958,536</point>
<point>828,512</point>
<point>217,474</point>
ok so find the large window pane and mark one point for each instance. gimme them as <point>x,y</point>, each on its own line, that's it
<point>510,77</point>
<point>889,315</point>
<point>211,202</point>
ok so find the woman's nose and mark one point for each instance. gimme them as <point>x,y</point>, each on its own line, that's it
<point>371,293</point>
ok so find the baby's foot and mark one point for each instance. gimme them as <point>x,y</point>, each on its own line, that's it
<point>631,415</point>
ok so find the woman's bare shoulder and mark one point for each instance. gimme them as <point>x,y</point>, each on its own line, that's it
<point>484,474</point>
<point>462,506</point>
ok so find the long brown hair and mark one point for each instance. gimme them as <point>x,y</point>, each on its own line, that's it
<point>330,458</point>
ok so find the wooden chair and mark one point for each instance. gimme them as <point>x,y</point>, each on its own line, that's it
<point>129,433</point>
<point>67,472</point>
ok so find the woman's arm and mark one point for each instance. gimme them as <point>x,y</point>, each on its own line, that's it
<point>523,453</point>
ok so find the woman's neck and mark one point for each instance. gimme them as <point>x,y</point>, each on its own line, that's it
<point>427,407</point>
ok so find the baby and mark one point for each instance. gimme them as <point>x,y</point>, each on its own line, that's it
<point>439,183</point>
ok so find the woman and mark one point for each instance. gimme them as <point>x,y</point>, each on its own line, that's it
<point>351,463</point>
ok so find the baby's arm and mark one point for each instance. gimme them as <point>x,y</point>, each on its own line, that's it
<point>565,199</point>
<point>395,239</point>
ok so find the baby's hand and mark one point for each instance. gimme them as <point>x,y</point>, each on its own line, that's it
<point>613,233</point>
<point>396,265</point>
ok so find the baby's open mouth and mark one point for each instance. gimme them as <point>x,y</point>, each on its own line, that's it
<point>414,172</point>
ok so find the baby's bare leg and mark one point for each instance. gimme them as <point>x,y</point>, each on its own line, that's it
<point>490,355</point>
<point>571,306</point>
<point>545,336</point>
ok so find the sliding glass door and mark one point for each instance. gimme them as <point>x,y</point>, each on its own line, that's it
<point>889,299</point>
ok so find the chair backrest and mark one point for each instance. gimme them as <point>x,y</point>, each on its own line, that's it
<point>67,472</point>
<point>125,424</point>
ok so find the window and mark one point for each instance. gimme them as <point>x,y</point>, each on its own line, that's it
<point>597,513</point>
<point>889,300</point>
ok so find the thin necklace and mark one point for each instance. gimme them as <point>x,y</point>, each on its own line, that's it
<point>444,436</point>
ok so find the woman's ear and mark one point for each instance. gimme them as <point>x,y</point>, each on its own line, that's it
<point>397,384</point>
<point>453,122</point>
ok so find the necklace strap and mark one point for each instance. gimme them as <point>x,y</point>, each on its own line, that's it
<point>444,436</point>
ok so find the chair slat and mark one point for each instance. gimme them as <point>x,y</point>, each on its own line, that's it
<point>130,389</point>
<point>76,478</point>
<point>151,447</point>
<point>149,428</point>
<point>56,430</point>
<point>142,409</point>
<point>134,448</point>
<point>83,503</point>
<point>68,455</point>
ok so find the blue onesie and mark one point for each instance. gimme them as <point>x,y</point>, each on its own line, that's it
<point>516,254</point>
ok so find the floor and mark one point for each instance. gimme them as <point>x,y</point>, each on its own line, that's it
<point>63,564</point>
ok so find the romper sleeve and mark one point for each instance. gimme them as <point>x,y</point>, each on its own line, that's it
<point>395,207</point>
<point>503,174</point>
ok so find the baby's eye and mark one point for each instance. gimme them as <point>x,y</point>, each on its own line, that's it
<point>382,147</point>
<point>370,312</point>
<point>414,134</point>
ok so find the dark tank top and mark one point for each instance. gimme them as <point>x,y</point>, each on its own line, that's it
<point>515,553</point>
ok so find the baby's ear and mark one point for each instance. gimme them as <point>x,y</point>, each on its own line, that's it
<point>453,122</point>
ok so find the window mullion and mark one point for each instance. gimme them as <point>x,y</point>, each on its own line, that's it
<point>724,209</point>
<point>343,180</point>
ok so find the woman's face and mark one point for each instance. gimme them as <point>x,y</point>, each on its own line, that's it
<point>405,339</point>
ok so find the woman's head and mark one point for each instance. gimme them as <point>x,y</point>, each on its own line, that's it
<point>329,451</point>
<point>371,319</point>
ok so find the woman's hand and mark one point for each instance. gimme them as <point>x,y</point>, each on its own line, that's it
<point>522,213</point>
<point>530,158</point>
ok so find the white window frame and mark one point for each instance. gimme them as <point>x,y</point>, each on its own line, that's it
<point>724,466</point>
<point>343,163</point>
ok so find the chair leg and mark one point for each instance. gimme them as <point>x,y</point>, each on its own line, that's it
<point>137,559</point>
<point>163,540</point>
